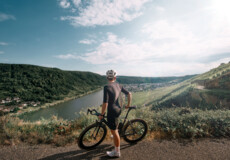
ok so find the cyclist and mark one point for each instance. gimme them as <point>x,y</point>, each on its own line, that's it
<point>110,102</point>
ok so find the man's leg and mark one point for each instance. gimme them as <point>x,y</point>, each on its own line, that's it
<point>116,137</point>
<point>112,123</point>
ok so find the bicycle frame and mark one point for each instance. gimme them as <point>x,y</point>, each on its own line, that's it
<point>106,123</point>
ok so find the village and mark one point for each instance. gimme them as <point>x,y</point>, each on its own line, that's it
<point>14,104</point>
<point>147,86</point>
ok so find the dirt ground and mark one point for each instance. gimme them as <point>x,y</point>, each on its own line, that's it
<point>145,150</point>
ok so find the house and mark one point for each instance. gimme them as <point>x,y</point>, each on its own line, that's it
<point>17,99</point>
<point>8,100</point>
<point>3,101</point>
<point>24,104</point>
<point>20,107</point>
<point>6,110</point>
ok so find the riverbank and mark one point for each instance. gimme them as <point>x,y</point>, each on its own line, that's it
<point>47,105</point>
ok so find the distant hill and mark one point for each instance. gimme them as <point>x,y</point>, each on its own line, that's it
<point>210,90</point>
<point>139,80</point>
<point>43,84</point>
<point>35,83</point>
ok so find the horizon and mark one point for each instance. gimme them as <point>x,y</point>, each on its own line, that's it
<point>98,73</point>
<point>140,38</point>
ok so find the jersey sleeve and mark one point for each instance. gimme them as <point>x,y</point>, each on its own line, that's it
<point>123,90</point>
<point>106,95</point>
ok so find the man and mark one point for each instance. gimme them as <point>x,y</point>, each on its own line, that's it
<point>110,102</point>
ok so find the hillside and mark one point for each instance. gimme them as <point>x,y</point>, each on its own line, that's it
<point>139,80</point>
<point>210,90</point>
<point>35,83</point>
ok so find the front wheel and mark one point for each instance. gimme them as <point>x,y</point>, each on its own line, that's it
<point>135,130</point>
<point>92,136</point>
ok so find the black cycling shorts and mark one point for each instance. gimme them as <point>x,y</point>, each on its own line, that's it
<point>113,117</point>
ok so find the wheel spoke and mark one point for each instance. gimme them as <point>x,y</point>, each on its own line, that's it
<point>92,136</point>
<point>135,130</point>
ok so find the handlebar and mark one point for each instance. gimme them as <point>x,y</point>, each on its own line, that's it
<point>94,112</point>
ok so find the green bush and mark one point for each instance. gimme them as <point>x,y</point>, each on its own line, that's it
<point>172,123</point>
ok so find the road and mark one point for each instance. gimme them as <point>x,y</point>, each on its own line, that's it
<point>144,150</point>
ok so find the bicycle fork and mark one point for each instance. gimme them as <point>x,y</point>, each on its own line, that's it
<point>96,130</point>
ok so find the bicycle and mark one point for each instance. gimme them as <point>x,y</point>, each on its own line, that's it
<point>132,131</point>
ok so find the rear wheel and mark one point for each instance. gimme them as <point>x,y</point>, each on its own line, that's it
<point>92,136</point>
<point>135,130</point>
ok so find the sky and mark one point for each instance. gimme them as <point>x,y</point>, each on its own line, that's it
<point>148,38</point>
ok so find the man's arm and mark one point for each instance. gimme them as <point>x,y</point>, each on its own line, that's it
<point>103,109</point>
<point>129,100</point>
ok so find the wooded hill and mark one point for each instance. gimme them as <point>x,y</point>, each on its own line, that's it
<point>35,83</point>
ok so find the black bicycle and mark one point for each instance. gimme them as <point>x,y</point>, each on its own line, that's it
<point>131,130</point>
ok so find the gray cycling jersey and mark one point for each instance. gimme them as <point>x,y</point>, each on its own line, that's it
<point>111,94</point>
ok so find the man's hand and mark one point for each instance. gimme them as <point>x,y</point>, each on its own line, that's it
<point>100,117</point>
<point>127,106</point>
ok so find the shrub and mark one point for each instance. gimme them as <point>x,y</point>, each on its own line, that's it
<point>167,123</point>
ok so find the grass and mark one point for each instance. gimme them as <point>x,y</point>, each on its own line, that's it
<point>167,123</point>
<point>142,98</point>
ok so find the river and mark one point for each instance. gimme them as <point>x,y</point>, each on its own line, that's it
<point>67,110</point>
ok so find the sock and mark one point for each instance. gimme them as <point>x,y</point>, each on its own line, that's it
<point>117,149</point>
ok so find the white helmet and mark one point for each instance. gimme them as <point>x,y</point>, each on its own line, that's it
<point>111,74</point>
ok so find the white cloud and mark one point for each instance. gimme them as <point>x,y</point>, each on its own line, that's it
<point>119,50</point>
<point>162,29</point>
<point>115,50</point>
<point>64,3</point>
<point>87,41</point>
<point>1,52</point>
<point>3,44</point>
<point>67,56</point>
<point>76,3</point>
<point>160,9</point>
<point>176,38</point>
<point>106,12</point>
<point>150,58</point>
<point>157,69</point>
<point>4,17</point>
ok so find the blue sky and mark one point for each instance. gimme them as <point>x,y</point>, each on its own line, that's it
<point>136,37</point>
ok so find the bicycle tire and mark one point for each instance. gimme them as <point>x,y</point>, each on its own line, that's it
<point>142,133</point>
<point>83,135</point>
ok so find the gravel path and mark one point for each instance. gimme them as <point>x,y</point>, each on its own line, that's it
<point>146,150</point>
